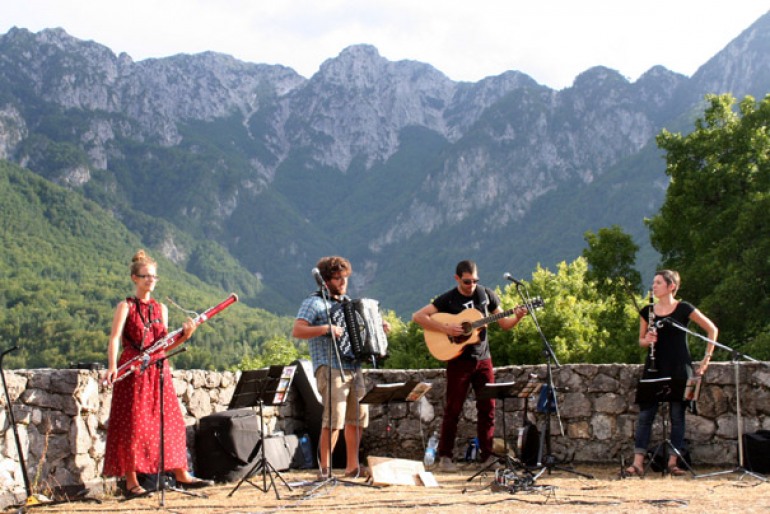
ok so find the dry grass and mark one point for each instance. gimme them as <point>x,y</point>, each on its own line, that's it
<point>555,492</point>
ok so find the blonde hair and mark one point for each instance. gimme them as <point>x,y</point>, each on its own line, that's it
<point>139,260</point>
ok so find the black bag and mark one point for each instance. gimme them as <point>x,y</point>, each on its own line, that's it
<point>227,446</point>
<point>528,444</point>
<point>756,451</point>
<point>149,481</point>
<point>224,444</point>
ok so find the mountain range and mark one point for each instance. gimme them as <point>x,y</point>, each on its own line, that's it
<point>245,174</point>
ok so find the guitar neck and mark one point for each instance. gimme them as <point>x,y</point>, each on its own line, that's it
<point>494,317</point>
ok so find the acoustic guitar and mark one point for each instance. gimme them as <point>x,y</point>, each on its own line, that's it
<point>446,348</point>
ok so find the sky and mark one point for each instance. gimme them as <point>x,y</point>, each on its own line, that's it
<point>551,41</point>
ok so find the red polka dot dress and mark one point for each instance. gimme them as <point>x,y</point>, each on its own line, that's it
<point>133,432</point>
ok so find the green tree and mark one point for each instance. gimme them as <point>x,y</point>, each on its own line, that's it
<point>568,320</point>
<point>574,320</point>
<point>277,350</point>
<point>611,255</point>
<point>713,226</point>
<point>406,346</point>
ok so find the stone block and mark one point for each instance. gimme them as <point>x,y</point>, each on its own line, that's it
<point>610,403</point>
<point>602,426</point>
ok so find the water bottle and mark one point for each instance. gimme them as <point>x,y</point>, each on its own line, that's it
<point>307,451</point>
<point>472,452</point>
<point>431,450</point>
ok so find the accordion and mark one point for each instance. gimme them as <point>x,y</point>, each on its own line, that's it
<point>363,338</point>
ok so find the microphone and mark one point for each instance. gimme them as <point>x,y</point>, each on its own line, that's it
<point>318,278</point>
<point>508,276</point>
<point>662,322</point>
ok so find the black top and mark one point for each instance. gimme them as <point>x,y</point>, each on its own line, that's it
<point>672,357</point>
<point>485,301</point>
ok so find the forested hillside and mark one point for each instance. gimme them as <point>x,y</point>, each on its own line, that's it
<point>64,266</point>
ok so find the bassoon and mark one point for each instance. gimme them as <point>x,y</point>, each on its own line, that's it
<point>145,358</point>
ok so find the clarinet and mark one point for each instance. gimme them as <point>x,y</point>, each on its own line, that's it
<point>651,329</point>
<point>144,359</point>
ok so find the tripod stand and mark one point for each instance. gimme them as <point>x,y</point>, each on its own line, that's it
<point>545,460</point>
<point>663,391</point>
<point>259,388</point>
<point>503,391</point>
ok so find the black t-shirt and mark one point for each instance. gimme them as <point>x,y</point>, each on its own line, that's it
<point>672,357</point>
<point>485,301</point>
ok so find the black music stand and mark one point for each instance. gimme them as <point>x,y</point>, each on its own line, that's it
<point>503,391</point>
<point>385,394</point>
<point>665,390</point>
<point>257,388</point>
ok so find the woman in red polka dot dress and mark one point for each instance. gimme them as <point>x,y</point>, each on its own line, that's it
<point>133,433</point>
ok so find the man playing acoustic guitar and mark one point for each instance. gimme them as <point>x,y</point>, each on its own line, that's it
<point>472,364</point>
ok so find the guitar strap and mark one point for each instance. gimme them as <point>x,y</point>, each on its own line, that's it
<point>485,301</point>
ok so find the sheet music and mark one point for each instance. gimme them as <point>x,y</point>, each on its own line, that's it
<point>283,384</point>
<point>418,391</point>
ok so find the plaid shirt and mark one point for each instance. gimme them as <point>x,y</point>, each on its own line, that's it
<point>313,310</point>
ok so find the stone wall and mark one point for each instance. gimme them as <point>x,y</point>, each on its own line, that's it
<point>61,417</point>
<point>596,411</point>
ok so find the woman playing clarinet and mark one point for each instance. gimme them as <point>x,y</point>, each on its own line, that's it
<point>672,359</point>
<point>133,431</point>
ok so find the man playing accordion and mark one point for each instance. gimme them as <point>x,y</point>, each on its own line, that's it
<point>340,380</point>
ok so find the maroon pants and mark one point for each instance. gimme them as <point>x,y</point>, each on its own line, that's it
<point>460,374</point>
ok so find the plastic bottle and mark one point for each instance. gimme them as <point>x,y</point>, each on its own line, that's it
<point>307,451</point>
<point>431,450</point>
<point>472,452</point>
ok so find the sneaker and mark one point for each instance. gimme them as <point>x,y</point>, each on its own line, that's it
<point>445,465</point>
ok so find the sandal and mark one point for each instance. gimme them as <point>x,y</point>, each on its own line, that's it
<point>633,471</point>
<point>137,492</point>
<point>676,471</point>
<point>360,472</point>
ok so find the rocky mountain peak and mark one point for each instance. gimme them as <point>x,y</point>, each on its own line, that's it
<point>371,158</point>
<point>745,59</point>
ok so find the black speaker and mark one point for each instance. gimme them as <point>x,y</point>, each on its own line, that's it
<point>756,451</point>
<point>225,443</point>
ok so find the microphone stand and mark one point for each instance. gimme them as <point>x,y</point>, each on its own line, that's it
<point>547,461</point>
<point>161,484</point>
<point>31,499</point>
<point>735,358</point>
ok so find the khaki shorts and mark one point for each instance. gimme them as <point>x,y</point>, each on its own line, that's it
<point>345,398</point>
